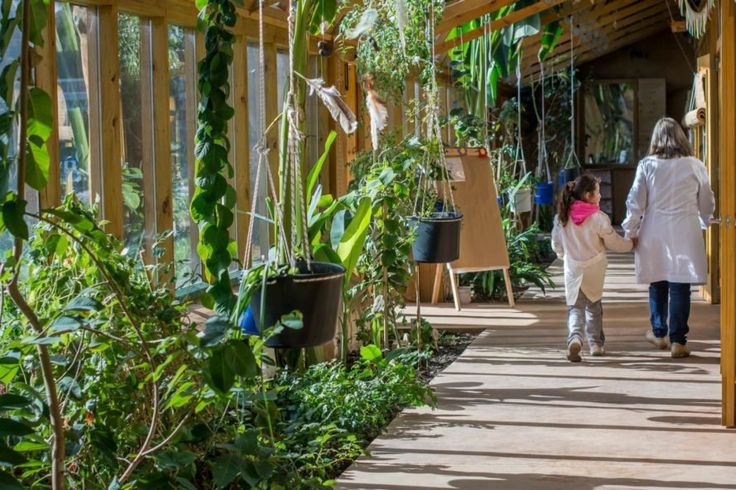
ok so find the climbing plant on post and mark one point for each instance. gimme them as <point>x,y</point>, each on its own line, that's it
<point>34,117</point>
<point>214,198</point>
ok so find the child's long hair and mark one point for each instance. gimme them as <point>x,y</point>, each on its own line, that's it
<point>574,191</point>
<point>669,140</point>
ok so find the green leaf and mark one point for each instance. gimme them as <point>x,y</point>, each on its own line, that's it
<point>224,469</point>
<point>317,167</point>
<point>248,443</point>
<point>292,320</point>
<point>9,427</point>
<point>550,38</point>
<point>324,13</point>
<point>240,358</point>
<point>31,340</point>
<point>83,303</point>
<point>13,219</point>
<point>11,400</point>
<point>7,82</point>
<point>173,460</point>
<point>65,324</point>
<point>215,329</point>
<point>39,14</point>
<point>9,456</point>
<point>220,373</point>
<point>351,244</point>
<point>370,353</point>
<point>7,482</point>
<point>40,123</point>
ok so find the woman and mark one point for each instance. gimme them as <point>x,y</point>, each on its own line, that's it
<point>668,207</point>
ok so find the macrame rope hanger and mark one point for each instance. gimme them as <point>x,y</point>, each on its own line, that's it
<point>542,160</point>
<point>573,149</point>
<point>519,158</point>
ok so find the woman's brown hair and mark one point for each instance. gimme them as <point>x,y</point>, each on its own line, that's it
<point>574,191</point>
<point>669,140</point>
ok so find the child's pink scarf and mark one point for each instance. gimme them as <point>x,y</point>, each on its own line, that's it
<point>582,210</point>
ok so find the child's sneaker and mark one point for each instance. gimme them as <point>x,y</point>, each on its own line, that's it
<point>573,350</point>
<point>597,350</point>
<point>679,351</point>
<point>658,342</point>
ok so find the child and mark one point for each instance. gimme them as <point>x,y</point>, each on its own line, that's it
<point>581,235</point>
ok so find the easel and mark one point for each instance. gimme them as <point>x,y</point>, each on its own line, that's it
<point>482,242</point>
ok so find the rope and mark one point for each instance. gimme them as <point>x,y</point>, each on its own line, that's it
<point>542,157</point>
<point>261,147</point>
<point>519,156</point>
<point>573,149</point>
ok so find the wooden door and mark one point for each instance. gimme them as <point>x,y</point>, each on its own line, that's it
<point>727,77</point>
<point>706,149</point>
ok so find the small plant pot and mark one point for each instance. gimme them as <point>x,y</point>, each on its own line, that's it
<point>544,194</point>
<point>522,201</point>
<point>438,238</point>
<point>314,293</point>
<point>500,201</point>
<point>465,295</point>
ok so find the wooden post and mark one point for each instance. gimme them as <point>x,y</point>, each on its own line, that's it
<point>46,80</point>
<point>192,43</point>
<point>727,141</point>
<point>509,288</point>
<point>453,285</point>
<point>437,285</point>
<point>110,120</point>
<point>239,139</point>
<point>148,138</point>
<point>163,199</point>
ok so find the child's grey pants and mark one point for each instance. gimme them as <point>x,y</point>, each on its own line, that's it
<point>588,315</point>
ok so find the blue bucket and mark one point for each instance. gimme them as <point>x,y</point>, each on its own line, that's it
<point>247,323</point>
<point>566,175</point>
<point>544,194</point>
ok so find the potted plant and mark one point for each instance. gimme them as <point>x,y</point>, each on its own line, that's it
<point>291,293</point>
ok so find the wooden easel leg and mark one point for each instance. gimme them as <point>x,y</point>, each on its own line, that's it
<point>453,284</point>
<point>418,325</point>
<point>437,284</point>
<point>509,289</point>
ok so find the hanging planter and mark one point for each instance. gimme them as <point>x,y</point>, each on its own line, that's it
<point>314,293</point>
<point>437,237</point>
<point>521,201</point>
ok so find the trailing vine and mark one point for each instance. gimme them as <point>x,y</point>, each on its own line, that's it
<point>214,198</point>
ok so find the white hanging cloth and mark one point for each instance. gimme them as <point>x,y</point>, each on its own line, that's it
<point>696,110</point>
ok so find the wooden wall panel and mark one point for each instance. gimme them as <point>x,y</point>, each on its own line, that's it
<point>239,140</point>
<point>46,80</point>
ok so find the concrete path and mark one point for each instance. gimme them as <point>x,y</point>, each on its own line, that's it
<point>512,413</point>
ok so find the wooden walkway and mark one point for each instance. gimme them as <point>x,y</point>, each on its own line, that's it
<point>512,413</point>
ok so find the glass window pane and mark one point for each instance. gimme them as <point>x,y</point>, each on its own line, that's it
<point>9,143</point>
<point>77,92</point>
<point>136,84</point>
<point>183,100</point>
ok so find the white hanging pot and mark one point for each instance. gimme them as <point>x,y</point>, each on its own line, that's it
<point>522,201</point>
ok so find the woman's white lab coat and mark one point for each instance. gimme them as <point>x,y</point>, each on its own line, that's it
<point>669,205</point>
<point>583,248</point>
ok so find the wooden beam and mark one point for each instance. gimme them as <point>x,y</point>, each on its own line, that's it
<point>164,200</point>
<point>727,139</point>
<point>612,40</point>
<point>463,11</point>
<point>110,120</point>
<point>591,36</point>
<point>46,79</point>
<point>506,20</point>
<point>239,138</point>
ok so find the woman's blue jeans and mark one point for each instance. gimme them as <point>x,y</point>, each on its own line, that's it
<point>673,299</point>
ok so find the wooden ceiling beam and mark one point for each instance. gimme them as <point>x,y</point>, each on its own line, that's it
<point>507,20</point>
<point>463,11</point>
<point>654,7</point>
<point>589,51</point>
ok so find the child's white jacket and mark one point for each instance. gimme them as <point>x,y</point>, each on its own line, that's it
<point>583,248</point>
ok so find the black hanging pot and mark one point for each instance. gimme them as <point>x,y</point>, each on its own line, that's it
<point>438,237</point>
<point>315,293</point>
